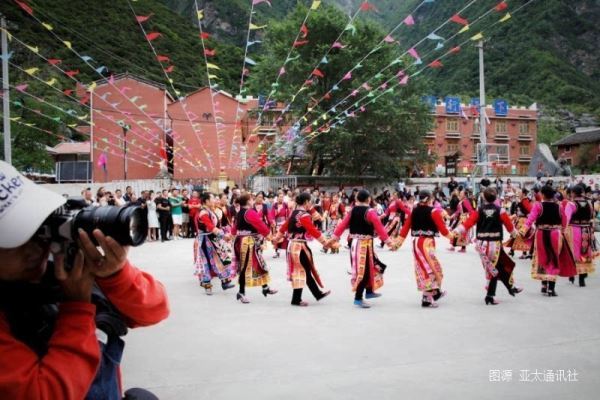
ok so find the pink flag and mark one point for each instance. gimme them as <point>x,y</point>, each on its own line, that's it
<point>389,39</point>
<point>400,73</point>
<point>255,2</point>
<point>153,35</point>
<point>21,88</point>
<point>404,80</point>
<point>366,86</point>
<point>142,18</point>
<point>354,93</point>
<point>414,53</point>
<point>347,77</point>
<point>409,20</point>
<point>338,45</point>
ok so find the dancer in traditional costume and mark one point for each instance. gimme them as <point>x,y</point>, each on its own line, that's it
<point>489,219</point>
<point>395,215</point>
<point>520,212</point>
<point>250,231</point>
<point>301,266</point>
<point>212,253</point>
<point>425,223</point>
<point>367,270</point>
<point>335,213</point>
<point>580,233</point>
<point>463,211</point>
<point>280,212</point>
<point>552,255</point>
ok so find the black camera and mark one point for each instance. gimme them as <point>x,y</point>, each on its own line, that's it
<point>127,225</point>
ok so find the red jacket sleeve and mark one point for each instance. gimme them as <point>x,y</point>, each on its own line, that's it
<point>65,372</point>
<point>306,222</point>
<point>284,228</point>
<point>137,295</point>
<point>471,221</point>
<point>439,221</point>
<point>207,221</point>
<point>406,226</point>
<point>256,221</point>
<point>342,226</point>
<point>527,205</point>
<point>505,218</point>
<point>376,222</point>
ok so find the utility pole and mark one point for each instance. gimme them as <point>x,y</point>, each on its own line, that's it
<point>5,94</point>
<point>482,115</point>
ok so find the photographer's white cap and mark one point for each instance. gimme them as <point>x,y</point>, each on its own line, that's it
<point>24,206</point>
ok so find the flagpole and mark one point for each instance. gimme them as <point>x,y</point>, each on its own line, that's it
<point>5,94</point>
<point>482,114</point>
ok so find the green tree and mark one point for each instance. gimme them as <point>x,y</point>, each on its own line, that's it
<point>373,142</point>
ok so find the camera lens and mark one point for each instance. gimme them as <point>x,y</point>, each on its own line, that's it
<point>127,225</point>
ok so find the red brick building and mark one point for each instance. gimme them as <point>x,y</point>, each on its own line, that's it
<point>585,142</point>
<point>139,128</point>
<point>458,134</point>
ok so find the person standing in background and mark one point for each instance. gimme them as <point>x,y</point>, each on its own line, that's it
<point>176,202</point>
<point>164,214</point>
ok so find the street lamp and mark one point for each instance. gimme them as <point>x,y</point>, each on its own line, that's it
<point>125,128</point>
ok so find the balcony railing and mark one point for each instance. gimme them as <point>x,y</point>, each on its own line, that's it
<point>525,138</point>
<point>452,135</point>
<point>502,137</point>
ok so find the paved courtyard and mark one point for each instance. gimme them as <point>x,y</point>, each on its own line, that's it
<point>217,348</point>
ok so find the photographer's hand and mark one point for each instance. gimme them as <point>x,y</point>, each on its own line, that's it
<point>111,262</point>
<point>78,282</point>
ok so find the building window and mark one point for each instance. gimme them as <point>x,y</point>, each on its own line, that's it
<point>523,170</point>
<point>501,127</point>
<point>523,128</point>
<point>452,147</point>
<point>524,150</point>
<point>452,125</point>
<point>567,149</point>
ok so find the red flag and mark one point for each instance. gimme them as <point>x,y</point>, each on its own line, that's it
<point>54,61</point>
<point>142,18</point>
<point>163,58</point>
<point>162,152</point>
<point>68,92</point>
<point>72,73</point>
<point>327,96</point>
<point>318,73</point>
<point>210,53</point>
<point>501,6</point>
<point>459,20</point>
<point>25,7</point>
<point>169,69</point>
<point>304,31</point>
<point>455,50</point>
<point>436,64</point>
<point>366,6</point>
<point>204,35</point>
<point>153,35</point>
<point>85,99</point>
<point>299,43</point>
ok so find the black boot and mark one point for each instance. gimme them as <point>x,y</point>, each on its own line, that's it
<point>582,280</point>
<point>544,286</point>
<point>572,279</point>
<point>551,291</point>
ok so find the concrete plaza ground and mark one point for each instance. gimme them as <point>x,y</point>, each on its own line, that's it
<point>217,348</point>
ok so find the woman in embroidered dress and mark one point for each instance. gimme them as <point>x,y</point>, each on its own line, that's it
<point>301,266</point>
<point>251,232</point>
<point>212,254</point>
<point>463,211</point>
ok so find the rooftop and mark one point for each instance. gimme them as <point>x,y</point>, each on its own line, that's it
<point>70,148</point>
<point>582,135</point>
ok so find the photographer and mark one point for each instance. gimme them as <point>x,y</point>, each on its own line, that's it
<point>55,341</point>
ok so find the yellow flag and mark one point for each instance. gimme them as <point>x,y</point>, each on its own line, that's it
<point>47,26</point>
<point>315,4</point>
<point>92,86</point>
<point>211,76</point>
<point>255,27</point>
<point>200,15</point>
<point>15,118</point>
<point>171,80</point>
<point>464,29</point>
<point>32,71</point>
<point>479,36</point>
<point>212,66</point>
<point>72,125</point>
<point>51,82</point>
<point>83,117</point>
<point>35,49</point>
<point>505,18</point>
<point>177,93</point>
<point>67,43</point>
